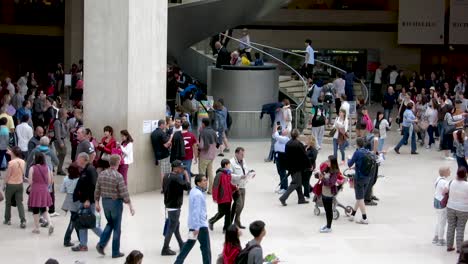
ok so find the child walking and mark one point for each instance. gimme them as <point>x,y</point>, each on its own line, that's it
<point>441,213</point>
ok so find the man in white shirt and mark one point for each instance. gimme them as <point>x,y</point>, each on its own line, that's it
<point>240,176</point>
<point>281,138</point>
<point>309,59</point>
<point>378,81</point>
<point>393,76</point>
<point>10,87</point>
<point>24,132</point>
<point>339,86</point>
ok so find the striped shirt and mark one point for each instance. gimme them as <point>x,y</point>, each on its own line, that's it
<point>110,184</point>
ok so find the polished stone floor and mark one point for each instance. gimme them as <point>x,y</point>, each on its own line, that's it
<point>400,230</point>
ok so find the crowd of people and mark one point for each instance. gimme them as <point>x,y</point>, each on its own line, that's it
<point>35,125</point>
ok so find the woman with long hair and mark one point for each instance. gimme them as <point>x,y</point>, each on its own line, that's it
<point>232,246</point>
<point>340,138</point>
<point>107,144</point>
<point>328,179</point>
<point>431,115</point>
<point>135,257</point>
<point>459,141</point>
<point>450,122</point>
<point>382,125</point>
<point>68,187</point>
<point>126,146</point>
<point>312,152</point>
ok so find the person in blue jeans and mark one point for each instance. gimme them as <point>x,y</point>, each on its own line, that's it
<point>84,193</point>
<point>197,223</point>
<point>111,187</point>
<point>409,119</point>
<point>281,138</point>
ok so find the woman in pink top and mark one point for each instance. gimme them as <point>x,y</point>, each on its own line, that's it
<point>14,186</point>
<point>40,178</point>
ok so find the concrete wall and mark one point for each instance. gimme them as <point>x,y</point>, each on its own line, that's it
<point>244,92</point>
<point>406,57</point>
<point>73,32</point>
<point>125,82</point>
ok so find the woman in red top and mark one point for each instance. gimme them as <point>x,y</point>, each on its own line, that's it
<point>232,246</point>
<point>105,147</point>
<point>222,194</point>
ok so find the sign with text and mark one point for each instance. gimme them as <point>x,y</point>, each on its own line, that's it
<point>458,28</point>
<point>421,22</point>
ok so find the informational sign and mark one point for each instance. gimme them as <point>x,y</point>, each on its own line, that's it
<point>68,80</point>
<point>458,28</point>
<point>154,125</point>
<point>421,22</point>
<point>352,108</point>
<point>147,126</point>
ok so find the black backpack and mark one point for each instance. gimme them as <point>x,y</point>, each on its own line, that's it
<point>243,256</point>
<point>318,121</point>
<point>369,163</point>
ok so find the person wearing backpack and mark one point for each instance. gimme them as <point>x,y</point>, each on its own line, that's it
<point>318,125</point>
<point>232,246</point>
<point>441,211</point>
<point>223,190</point>
<point>365,164</point>
<point>253,252</point>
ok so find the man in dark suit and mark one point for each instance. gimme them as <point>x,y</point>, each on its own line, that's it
<point>224,57</point>
<point>296,163</point>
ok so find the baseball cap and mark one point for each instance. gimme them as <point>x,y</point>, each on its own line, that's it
<point>178,163</point>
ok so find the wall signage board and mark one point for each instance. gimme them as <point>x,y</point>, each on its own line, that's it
<point>421,22</point>
<point>458,28</point>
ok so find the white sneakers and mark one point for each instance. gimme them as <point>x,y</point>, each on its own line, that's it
<point>325,229</point>
<point>361,221</point>
<point>54,214</point>
<point>281,191</point>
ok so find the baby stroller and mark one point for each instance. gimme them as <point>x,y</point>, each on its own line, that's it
<point>336,214</point>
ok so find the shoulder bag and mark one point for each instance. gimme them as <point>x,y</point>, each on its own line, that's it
<point>86,219</point>
<point>444,201</point>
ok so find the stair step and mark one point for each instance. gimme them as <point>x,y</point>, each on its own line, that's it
<point>291,84</point>
<point>284,78</point>
<point>299,95</point>
<point>294,89</point>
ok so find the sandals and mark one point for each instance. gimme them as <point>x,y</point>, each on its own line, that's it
<point>51,230</point>
<point>36,231</point>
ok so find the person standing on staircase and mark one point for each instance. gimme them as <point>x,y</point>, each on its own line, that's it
<point>339,86</point>
<point>309,59</point>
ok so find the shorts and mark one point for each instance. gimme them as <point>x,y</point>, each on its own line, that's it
<point>165,165</point>
<point>37,210</point>
<point>360,188</point>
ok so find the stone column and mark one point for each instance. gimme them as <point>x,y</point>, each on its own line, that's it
<point>125,50</point>
<point>73,32</point>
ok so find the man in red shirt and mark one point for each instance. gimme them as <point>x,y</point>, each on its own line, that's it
<point>191,144</point>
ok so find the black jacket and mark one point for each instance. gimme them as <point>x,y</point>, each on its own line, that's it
<point>271,110</point>
<point>158,139</point>
<point>178,147</point>
<point>84,190</point>
<point>296,156</point>
<point>224,58</point>
<point>173,188</point>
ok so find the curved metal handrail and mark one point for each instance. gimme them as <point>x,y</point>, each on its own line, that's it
<point>319,61</point>
<point>280,61</point>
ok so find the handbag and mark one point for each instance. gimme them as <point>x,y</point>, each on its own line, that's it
<point>444,201</point>
<point>105,156</point>
<point>423,125</point>
<point>317,190</point>
<point>448,129</point>
<point>332,132</point>
<point>86,219</point>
